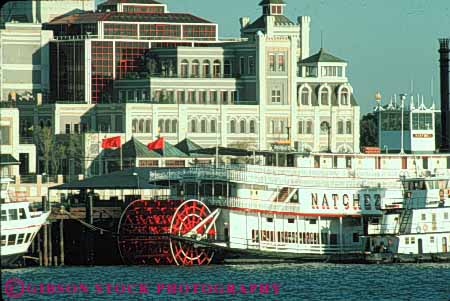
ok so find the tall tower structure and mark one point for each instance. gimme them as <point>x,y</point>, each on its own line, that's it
<point>445,102</point>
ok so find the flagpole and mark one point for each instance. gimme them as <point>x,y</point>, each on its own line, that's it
<point>121,159</point>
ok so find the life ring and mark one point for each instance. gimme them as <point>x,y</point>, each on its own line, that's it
<point>425,227</point>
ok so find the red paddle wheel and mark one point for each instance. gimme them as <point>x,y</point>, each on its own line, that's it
<point>147,229</point>
<point>187,222</point>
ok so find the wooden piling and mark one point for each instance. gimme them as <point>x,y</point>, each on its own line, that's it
<point>50,245</point>
<point>39,243</point>
<point>61,241</point>
<point>45,255</point>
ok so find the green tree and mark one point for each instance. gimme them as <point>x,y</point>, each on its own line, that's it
<point>45,143</point>
<point>369,130</point>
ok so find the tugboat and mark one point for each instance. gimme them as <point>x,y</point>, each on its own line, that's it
<point>414,229</point>
<point>18,225</point>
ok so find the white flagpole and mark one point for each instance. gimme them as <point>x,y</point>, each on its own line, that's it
<point>121,159</point>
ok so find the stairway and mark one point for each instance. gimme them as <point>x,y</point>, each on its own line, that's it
<point>282,195</point>
<point>404,220</point>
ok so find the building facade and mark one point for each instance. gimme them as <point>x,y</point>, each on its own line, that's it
<point>133,68</point>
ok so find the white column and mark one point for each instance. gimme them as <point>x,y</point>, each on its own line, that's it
<point>340,234</point>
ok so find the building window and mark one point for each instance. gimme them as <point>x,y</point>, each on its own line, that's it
<point>213,126</point>
<point>332,71</point>
<point>148,126</point>
<point>272,62</point>
<point>242,65</point>
<point>309,127</point>
<point>340,127</point>
<point>167,126</point>
<point>324,128</point>
<point>269,219</point>
<point>276,96</point>
<point>203,126</point>
<point>214,96</point>
<point>311,71</point>
<point>195,68</point>
<point>242,127</point>
<point>216,69</point>
<point>206,69</point>
<point>344,97</point>
<point>234,96</point>
<point>348,127</point>
<point>324,96</point>
<point>224,96</point>
<point>174,126</point>
<point>181,97</point>
<point>232,127</point>
<point>252,127</point>
<point>192,99</point>
<point>193,126</point>
<point>227,68</point>
<point>5,138</point>
<point>281,63</point>
<point>251,65</point>
<point>76,128</point>
<point>68,128</point>
<point>184,70</point>
<point>160,126</point>
<point>304,96</point>
<point>301,127</point>
<point>134,125</point>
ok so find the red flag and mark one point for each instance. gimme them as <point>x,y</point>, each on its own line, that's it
<point>157,144</point>
<point>111,142</point>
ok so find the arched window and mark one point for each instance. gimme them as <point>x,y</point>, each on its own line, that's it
<point>148,126</point>
<point>193,126</point>
<point>232,126</point>
<point>301,127</point>
<point>324,97</point>
<point>344,97</point>
<point>272,127</point>
<point>280,129</point>
<point>324,128</point>
<point>203,126</point>
<point>41,123</point>
<point>161,125</point>
<point>304,96</point>
<point>167,126</point>
<point>340,127</point>
<point>309,127</point>
<point>227,68</point>
<point>174,126</point>
<point>242,126</point>
<point>348,127</point>
<point>216,68</point>
<point>49,123</point>
<point>134,126</point>
<point>212,128</point>
<point>206,69</point>
<point>252,127</point>
<point>141,125</point>
<point>195,68</point>
<point>184,70</point>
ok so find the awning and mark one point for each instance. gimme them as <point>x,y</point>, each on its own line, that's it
<point>131,178</point>
<point>8,159</point>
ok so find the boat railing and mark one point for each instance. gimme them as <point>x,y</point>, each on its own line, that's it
<point>292,246</point>
<point>250,174</point>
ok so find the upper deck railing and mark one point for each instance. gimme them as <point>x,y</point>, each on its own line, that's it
<point>285,176</point>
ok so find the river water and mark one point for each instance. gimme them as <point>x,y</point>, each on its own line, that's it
<point>230,282</point>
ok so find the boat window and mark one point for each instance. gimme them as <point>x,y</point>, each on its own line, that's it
<point>375,221</point>
<point>11,239</point>
<point>20,238</point>
<point>22,214</point>
<point>3,240</point>
<point>312,221</point>
<point>4,217</point>
<point>12,214</point>
<point>27,238</point>
<point>269,219</point>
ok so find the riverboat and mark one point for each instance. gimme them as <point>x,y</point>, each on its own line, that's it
<point>18,226</point>
<point>300,212</point>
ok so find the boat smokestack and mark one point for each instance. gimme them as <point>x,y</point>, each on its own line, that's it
<point>445,102</point>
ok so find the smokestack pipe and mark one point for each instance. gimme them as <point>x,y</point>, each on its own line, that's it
<point>445,102</point>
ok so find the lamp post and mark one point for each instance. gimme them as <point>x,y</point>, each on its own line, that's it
<point>402,98</point>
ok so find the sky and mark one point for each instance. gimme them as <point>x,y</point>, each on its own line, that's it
<point>387,43</point>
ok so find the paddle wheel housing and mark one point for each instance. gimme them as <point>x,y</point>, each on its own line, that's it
<point>152,232</point>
